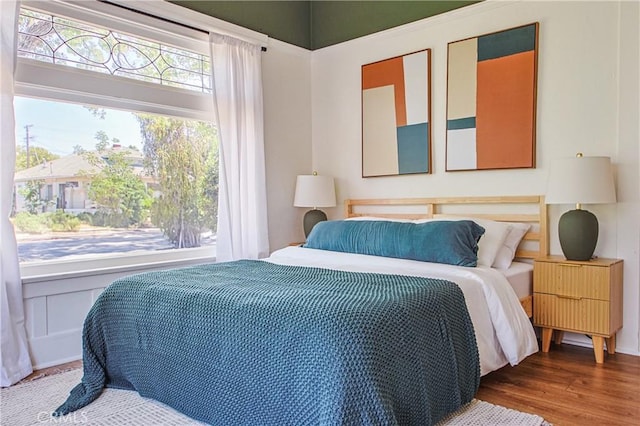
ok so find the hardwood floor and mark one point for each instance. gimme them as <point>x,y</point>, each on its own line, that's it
<point>567,387</point>
<point>50,371</point>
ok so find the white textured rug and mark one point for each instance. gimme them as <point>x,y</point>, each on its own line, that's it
<point>31,403</point>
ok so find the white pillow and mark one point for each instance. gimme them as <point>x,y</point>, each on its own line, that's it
<point>490,243</point>
<point>508,250</point>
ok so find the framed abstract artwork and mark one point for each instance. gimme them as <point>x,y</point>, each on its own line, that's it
<point>491,100</point>
<point>396,115</point>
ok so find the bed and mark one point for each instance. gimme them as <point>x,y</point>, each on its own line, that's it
<point>314,336</point>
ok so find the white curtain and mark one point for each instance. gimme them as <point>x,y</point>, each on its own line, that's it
<point>14,351</point>
<point>242,198</point>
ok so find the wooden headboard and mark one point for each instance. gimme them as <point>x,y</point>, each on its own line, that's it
<point>528,209</point>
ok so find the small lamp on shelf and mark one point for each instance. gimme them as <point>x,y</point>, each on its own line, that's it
<point>580,180</point>
<point>314,191</point>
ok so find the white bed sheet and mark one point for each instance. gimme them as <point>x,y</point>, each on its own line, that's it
<point>520,276</point>
<point>503,332</point>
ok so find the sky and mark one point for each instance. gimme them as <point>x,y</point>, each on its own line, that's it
<point>58,126</point>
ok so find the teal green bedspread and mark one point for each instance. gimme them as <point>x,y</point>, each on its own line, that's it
<point>253,343</point>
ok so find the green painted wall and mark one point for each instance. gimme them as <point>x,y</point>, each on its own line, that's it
<point>317,24</point>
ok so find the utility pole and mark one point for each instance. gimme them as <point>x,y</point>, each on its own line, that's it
<point>27,139</point>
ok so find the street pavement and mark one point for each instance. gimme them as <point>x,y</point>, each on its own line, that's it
<point>59,245</point>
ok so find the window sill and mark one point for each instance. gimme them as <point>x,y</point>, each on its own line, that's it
<point>51,270</point>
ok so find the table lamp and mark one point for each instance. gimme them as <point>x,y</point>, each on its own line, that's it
<point>314,191</point>
<point>580,180</point>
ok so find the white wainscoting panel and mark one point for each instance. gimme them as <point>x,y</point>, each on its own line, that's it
<point>55,310</point>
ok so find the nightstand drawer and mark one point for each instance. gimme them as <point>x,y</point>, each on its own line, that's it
<point>575,314</point>
<point>573,280</point>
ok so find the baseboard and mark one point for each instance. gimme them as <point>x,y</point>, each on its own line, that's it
<point>585,342</point>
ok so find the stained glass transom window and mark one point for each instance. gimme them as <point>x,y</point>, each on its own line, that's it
<point>63,41</point>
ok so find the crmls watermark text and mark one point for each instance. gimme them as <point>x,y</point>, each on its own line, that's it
<point>71,418</point>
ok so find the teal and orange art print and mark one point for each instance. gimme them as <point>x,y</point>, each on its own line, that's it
<point>396,115</point>
<point>491,100</point>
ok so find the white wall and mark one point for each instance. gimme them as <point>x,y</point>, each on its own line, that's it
<point>286,78</point>
<point>587,102</point>
<point>628,208</point>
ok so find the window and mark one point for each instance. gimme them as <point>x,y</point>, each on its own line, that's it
<point>54,39</point>
<point>115,149</point>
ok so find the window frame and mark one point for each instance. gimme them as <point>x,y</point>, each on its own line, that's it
<point>50,270</point>
<point>43,80</point>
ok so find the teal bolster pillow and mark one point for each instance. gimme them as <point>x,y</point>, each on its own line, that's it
<point>451,242</point>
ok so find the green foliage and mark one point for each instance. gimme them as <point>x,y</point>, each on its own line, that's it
<point>37,155</point>
<point>102,140</point>
<point>62,222</point>
<point>210,190</point>
<point>86,218</point>
<point>120,194</point>
<point>40,223</point>
<point>97,112</point>
<point>103,217</point>
<point>183,155</point>
<point>30,223</point>
<point>31,194</point>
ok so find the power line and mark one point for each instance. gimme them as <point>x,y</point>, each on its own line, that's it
<point>27,140</point>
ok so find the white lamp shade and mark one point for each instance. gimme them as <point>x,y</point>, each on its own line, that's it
<point>581,180</point>
<point>314,191</point>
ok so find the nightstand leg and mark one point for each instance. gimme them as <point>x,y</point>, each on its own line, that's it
<point>559,335</point>
<point>611,344</point>
<point>546,338</point>
<point>598,348</point>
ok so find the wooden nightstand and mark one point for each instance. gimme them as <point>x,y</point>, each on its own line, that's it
<point>582,297</point>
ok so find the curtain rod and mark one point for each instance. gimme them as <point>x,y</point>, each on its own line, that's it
<point>264,49</point>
